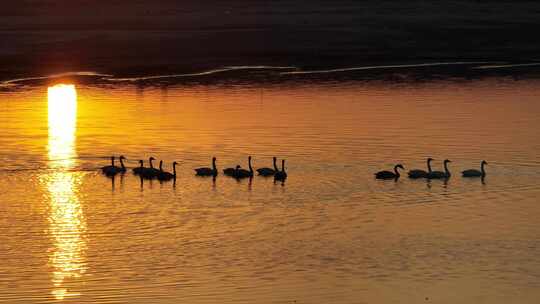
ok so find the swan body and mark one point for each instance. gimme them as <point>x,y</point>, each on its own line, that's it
<point>151,172</point>
<point>207,171</point>
<point>112,169</point>
<point>243,173</point>
<point>165,176</point>
<point>268,171</point>
<point>281,175</point>
<point>417,173</point>
<point>474,172</point>
<point>441,174</point>
<point>140,169</point>
<point>389,174</point>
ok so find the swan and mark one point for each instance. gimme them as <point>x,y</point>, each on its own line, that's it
<point>281,175</point>
<point>242,173</point>
<point>231,171</point>
<point>268,171</point>
<point>389,174</point>
<point>440,174</point>
<point>208,171</point>
<point>140,169</point>
<point>165,176</point>
<point>474,172</point>
<point>417,173</point>
<point>112,169</point>
<point>152,170</point>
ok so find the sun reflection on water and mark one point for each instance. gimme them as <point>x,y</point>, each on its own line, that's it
<point>67,225</point>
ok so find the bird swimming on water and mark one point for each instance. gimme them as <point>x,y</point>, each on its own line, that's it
<point>139,169</point>
<point>205,171</point>
<point>474,172</point>
<point>112,169</point>
<point>418,173</point>
<point>268,171</point>
<point>165,176</point>
<point>441,174</point>
<point>389,174</point>
<point>281,175</point>
<point>243,173</point>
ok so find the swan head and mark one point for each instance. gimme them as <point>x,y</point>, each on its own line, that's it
<point>214,159</point>
<point>141,161</point>
<point>151,158</point>
<point>400,166</point>
<point>238,167</point>
<point>274,158</point>
<point>447,161</point>
<point>174,163</point>
<point>112,158</point>
<point>249,157</point>
<point>430,159</point>
<point>484,162</point>
<point>122,157</point>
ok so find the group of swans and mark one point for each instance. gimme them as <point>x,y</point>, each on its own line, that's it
<point>430,174</point>
<point>236,172</point>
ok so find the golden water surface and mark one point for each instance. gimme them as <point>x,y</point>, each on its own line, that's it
<point>330,234</point>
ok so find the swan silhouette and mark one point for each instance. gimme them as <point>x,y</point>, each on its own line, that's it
<point>151,172</point>
<point>281,175</point>
<point>112,169</point>
<point>389,174</point>
<point>243,173</point>
<point>165,176</point>
<point>474,172</point>
<point>231,171</point>
<point>268,171</point>
<point>139,169</point>
<point>418,173</point>
<point>208,171</point>
<point>441,174</point>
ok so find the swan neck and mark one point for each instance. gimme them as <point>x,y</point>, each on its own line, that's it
<point>396,170</point>
<point>275,165</point>
<point>482,168</point>
<point>249,164</point>
<point>161,166</point>
<point>446,169</point>
<point>214,165</point>
<point>151,164</point>
<point>429,165</point>
<point>122,163</point>
<point>174,169</point>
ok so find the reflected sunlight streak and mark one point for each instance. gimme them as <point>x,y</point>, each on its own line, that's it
<point>66,218</point>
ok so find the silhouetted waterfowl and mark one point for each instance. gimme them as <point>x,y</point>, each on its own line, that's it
<point>112,169</point>
<point>231,171</point>
<point>152,170</point>
<point>140,169</point>
<point>281,175</point>
<point>474,172</point>
<point>441,174</point>
<point>389,174</point>
<point>208,171</point>
<point>109,168</point>
<point>268,171</point>
<point>418,173</point>
<point>243,173</point>
<point>163,175</point>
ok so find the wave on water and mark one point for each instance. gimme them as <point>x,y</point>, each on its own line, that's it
<point>376,67</point>
<point>501,66</point>
<point>14,82</point>
<point>205,73</point>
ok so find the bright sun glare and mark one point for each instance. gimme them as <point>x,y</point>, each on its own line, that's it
<point>67,223</point>
<point>62,101</point>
